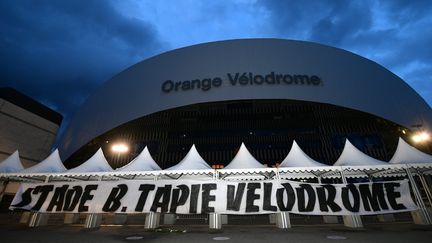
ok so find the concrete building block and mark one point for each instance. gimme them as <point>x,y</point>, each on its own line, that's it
<point>215,221</point>
<point>422,217</point>
<point>120,218</point>
<point>25,218</point>
<point>283,220</point>
<point>169,218</point>
<point>152,220</point>
<point>353,221</point>
<point>330,219</point>
<point>93,220</point>
<point>38,219</point>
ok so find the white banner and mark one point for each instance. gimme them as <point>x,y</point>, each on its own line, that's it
<point>196,197</point>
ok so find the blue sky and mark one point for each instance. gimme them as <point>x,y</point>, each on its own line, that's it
<point>59,52</point>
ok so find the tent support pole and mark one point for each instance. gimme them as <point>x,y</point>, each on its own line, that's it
<point>420,216</point>
<point>282,218</point>
<point>426,188</point>
<point>3,185</point>
<point>352,221</point>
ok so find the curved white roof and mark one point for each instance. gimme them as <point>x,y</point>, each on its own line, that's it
<point>353,156</point>
<point>407,154</point>
<point>192,161</point>
<point>297,158</point>
<point>244,160</point>
<point>11,164</point>
<point>97,163</point>
<point>361,85</point>
<point>51,164</point>
<point>143,162</point>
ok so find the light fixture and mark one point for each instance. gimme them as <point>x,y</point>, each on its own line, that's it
<point>120,148</point>
<point>421,137</point>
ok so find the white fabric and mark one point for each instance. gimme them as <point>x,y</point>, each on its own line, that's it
<point>297,158</point>
<point>11,164</point>
<point>51,164</point>
<point>352,156</point>
<point>97,163</point>
<point>143,162</point>
<point>192,161</point>
<point>244,160</point>
<point>407,154</point>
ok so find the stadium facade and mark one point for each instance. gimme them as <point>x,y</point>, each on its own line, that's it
<point>264,92</point>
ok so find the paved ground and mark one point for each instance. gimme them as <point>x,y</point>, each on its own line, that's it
<point>394,233</point>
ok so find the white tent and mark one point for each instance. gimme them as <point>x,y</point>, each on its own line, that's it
<point>143,162</point>
<point>192,161</point>
<point>352,156</point>
<point>11,164</point>
<point>297,158</point>
<point>97,163</point>
<point>51,164</point>
<point>244,160</point>
<point>407,154</point>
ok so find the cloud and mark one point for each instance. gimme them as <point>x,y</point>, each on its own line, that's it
<point>60,51</point>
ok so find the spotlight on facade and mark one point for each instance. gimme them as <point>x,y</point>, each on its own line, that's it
<point>120,148</point>
<point>421,137</point>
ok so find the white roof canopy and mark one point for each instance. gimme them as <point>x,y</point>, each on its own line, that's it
<point>143,162</point>
<point>407,154</point>
<point>353,156</point>
<point>51,164</point>
<point>11,164</point>
<point>97,163</point>
<point>244,160</point>
<point>192,161</point>
<point>297,158</point>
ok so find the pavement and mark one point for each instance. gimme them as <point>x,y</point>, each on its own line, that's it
<point>394,233</point>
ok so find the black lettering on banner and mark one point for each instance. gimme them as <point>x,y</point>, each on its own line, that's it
<point>145,189</point>
<point>193,203</point>
<point>375,199</point>
<point>268,197</point>
<point>163,193</point>
<point>179,199</point>
<point>354,206</point>
<point>113,201</point>
<point>86,197</point>
<point>207,198</point>
<point>44,191</point>
<point>25,198</point>
<point>291,198</point>
<point>326,196</point>
<point>392,195</point>
<point>57,199</point>
<point>251,196</point>
<point>301,199</point>
<point>233,202</point>
<point>72,198</point>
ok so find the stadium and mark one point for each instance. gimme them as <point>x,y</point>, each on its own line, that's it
<point>263,92</point>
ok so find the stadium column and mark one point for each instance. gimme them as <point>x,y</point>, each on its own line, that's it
<point>93,220</point>
<point>39,219</point>
<point>352,221</point>
<point>422,215</point>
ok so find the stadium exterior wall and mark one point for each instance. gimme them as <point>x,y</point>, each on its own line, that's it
<point>335,77</point>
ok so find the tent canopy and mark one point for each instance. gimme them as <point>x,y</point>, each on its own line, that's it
<point>297,158</point>
<point>51,164</point>
<point>192,161</point>
<point>97,163</point>
<point>244,160</point>
<point>353,156</point>
<point>407,154</point>
<point>11,164</point>
<point>143,162</point>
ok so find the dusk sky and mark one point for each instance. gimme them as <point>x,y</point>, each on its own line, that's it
<point>60,52</point>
